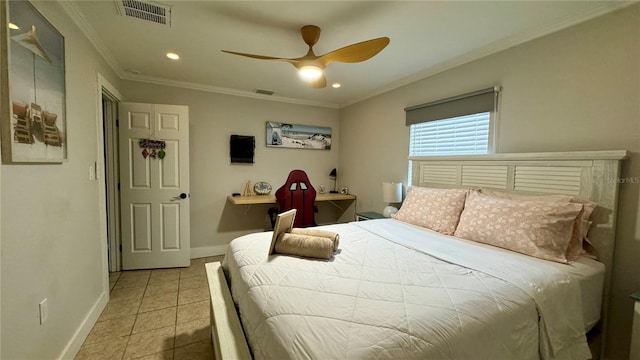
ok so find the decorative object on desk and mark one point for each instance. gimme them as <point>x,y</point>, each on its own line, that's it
<point>248,190</point>
<point>322,189</point>
<point>298,136</point>
<point>334,176</point>
<point>262,188</point>
<point>241,149</point>
<point>391,193</point>
<point>344,190</point>
<point>34,126</point>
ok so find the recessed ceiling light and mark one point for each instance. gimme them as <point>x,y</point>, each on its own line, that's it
<point>335,85</point>
<point>173,56</point>
<point>13,26</point>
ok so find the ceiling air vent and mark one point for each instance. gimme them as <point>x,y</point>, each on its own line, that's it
<point>264,92</point>
<point>145,10</point>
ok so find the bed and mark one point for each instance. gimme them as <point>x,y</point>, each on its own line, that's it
<point>399,290</point>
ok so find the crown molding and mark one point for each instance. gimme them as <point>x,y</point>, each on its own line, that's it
<point>497,46</point>
<point>226,91</point>
<point>78,18</point>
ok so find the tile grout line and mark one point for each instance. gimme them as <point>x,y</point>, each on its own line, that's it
<point>136,319</point>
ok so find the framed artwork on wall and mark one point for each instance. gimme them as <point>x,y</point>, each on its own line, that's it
<point>34,121</point>
<point>298,136</point>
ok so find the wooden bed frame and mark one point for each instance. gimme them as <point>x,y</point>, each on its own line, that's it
<point>592,175</point>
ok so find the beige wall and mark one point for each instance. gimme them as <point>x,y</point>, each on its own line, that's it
<point>51,243</point>
<point>213,118</point>
<point>577,89</point>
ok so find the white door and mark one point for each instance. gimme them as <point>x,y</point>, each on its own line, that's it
<point>154,191</point>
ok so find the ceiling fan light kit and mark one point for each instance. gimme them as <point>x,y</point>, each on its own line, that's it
<point>311,67</point>
<point>310,73</point>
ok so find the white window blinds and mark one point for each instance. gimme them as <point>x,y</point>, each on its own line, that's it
<point>463,135</point>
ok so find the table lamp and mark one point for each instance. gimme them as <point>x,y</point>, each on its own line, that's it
<point>391,193</point>
<point>334,175</point>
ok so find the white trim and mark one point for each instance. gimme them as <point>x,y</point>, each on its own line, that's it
<point>73,346</point>
<point>103,83</point>
<point>111,179</point>
<point>74,12</point>
<point>568,155</point>
<point>207,251</point>
<point>609,6</point>
<point>227,91</point>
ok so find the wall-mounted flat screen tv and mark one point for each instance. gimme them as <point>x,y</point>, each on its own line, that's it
<point>242,149</point>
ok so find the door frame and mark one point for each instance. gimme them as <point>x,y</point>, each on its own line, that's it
<point>108,186</point>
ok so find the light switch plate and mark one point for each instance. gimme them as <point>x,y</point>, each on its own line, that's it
<point>44,311</point>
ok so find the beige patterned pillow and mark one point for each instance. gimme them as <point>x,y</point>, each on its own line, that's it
<point>581,227</point>
<point>436,209</point>
<point>539,229</point>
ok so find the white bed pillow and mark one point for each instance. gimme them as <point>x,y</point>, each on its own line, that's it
<point>540,229</point>
<point>435,209</point>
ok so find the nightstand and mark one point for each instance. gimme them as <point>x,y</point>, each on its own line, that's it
<point>635,331</point>
<point>368,215</point>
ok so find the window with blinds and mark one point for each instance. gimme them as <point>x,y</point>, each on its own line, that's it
<point>462,135</point>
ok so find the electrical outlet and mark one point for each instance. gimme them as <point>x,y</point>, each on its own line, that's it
<point>44,311</point>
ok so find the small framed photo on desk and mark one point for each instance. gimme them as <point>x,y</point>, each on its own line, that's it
<point>284,223</point>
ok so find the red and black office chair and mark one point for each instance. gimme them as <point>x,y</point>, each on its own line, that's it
<point>296,193</point>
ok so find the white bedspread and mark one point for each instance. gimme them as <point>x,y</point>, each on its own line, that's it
<point>382,297</point>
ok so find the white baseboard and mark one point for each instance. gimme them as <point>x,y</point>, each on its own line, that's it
<point>81,334</point>
<point>205,251</point>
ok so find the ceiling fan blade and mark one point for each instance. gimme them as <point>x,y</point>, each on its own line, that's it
<point>356,52</point>
<point>261,57</point>
<point>321,82</point>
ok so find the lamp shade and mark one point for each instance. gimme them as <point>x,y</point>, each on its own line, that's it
<point>391,192</point>
<point>333,173</point>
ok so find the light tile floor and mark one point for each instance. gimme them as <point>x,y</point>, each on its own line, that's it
<point>158,314</point>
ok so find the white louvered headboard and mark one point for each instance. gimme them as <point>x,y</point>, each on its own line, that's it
<point>592,175</point>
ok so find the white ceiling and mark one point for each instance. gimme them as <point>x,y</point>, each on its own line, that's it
<point>426,37</point>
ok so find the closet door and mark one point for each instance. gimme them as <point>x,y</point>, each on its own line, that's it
<point>154,185</point>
